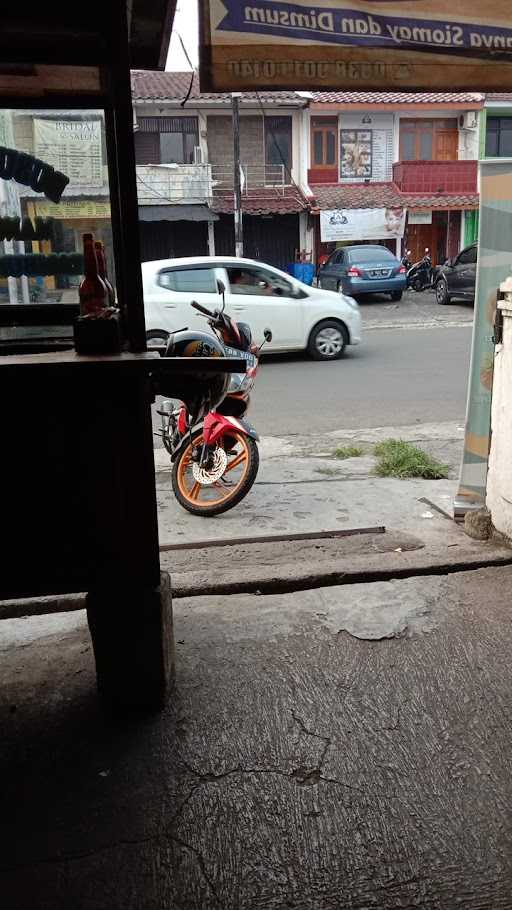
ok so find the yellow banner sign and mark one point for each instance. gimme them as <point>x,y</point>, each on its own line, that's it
<point>405,45</point>
<point>71,208</point>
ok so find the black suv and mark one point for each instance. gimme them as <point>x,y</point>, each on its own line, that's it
<point>457,277</point>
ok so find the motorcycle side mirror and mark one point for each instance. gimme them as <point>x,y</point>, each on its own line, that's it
<point>221,289</point>
<point>267,334</point>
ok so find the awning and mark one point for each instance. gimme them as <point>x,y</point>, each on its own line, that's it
<point>176,213</point>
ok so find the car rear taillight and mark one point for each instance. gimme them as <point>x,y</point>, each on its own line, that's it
<point>402,270</point>
<point>354,272</point>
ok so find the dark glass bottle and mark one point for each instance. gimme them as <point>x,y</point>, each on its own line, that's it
<point>102,272</point>
<point>92,291</point>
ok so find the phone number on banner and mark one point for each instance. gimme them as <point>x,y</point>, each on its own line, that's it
<point>313,69</point>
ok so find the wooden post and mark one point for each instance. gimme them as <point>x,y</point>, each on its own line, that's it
<point>125,207</point>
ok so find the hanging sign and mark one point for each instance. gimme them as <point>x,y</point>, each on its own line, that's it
<point>362,224</point>
<point>448,45</point>
<point>74,208</point>
<point>420,217</point>
<point>72,146</point>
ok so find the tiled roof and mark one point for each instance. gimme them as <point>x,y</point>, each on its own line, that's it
<point>384,195</point>
<point>398,97</point>
<point>262,201</point>
<point>499,96</point>
<point>152,86</point>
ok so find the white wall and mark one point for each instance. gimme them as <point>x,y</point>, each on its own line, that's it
<point>469,144</point>
<point>499,478</point>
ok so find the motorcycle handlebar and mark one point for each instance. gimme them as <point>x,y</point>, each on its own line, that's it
<point>202,309</point>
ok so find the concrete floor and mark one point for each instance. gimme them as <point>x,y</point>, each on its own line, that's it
<point>331,749</point>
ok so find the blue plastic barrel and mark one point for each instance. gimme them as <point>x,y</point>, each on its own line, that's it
<point>303,271</point>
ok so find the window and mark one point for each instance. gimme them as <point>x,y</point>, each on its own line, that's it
<point>467,257</point>
<point>368,254</point>
<point>166,140</point>
<point>324,142</point>
<point>429,140</point>
<point>189,281</point>
<point>278,143</point>
<point>258,282</point>
<point>356,153</point>
<point>498,140</point>
<point>60,193</point>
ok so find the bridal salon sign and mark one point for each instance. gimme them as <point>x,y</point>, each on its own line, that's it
<point>362,224</point>
<point>447,45</point>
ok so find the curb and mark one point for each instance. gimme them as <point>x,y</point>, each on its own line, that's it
<point>416,325</point>
<point>358,570</point>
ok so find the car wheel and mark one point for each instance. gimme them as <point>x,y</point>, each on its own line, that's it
<point>442,295</point>
<point>156,340</point>
<point>396,295</point>
<point>328,340</point>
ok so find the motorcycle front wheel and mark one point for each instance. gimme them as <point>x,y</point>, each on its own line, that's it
<point>223,482</point>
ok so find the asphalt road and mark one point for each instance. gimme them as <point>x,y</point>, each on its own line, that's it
<point>396,377</point>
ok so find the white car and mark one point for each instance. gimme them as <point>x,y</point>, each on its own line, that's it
<point>300,317</point>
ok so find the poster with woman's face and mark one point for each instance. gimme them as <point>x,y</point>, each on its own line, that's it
<point>356,153</point>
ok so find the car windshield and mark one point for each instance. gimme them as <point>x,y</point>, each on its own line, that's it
<point>370,254</point>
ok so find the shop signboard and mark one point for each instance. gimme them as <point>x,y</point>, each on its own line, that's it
<point>73,208</point>
<point>71,146</point>
<point>420,217</point>
<point>362,224</point>
<point>444,45</point>
<point>366,147</point>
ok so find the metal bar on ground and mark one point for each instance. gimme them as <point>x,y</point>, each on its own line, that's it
<point>270,538</point>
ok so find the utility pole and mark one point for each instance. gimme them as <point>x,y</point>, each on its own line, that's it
<point>239,230</point>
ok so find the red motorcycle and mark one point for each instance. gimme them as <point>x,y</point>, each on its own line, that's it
<point>215,457</point>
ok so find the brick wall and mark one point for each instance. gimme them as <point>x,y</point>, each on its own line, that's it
<point>220,145</point>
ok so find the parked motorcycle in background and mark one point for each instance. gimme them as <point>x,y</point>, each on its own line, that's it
<point>215,458</point>
<point>406,261</point>
<point>420,275</point>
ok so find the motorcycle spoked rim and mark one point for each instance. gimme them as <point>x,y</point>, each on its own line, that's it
<point>191,491</point>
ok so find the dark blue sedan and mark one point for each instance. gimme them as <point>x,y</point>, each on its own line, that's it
<point>358,270</point>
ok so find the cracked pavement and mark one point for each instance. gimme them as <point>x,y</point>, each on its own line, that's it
<point>296,766</point>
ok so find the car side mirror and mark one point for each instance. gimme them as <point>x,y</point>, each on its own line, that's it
<point>267,334</point>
